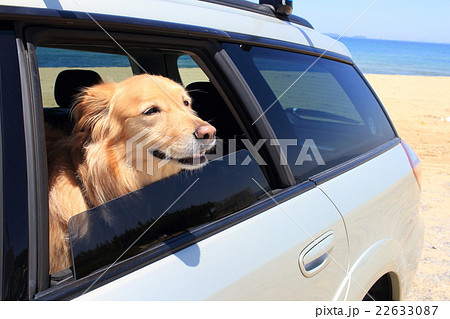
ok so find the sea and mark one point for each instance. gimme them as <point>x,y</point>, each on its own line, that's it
<point>370,55</point>
<point>399,57</point>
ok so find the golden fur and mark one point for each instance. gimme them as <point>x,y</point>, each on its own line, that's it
<point>90,167</point>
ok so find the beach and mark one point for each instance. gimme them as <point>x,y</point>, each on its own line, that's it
<point>419,106</point>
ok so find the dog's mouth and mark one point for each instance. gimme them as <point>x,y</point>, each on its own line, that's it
<point>190,161</point>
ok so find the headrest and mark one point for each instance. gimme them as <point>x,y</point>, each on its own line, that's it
<point>70,82</point>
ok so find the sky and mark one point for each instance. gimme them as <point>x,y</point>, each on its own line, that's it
<point>408,20</point>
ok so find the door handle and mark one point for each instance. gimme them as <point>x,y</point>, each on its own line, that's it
<point>316,255</point>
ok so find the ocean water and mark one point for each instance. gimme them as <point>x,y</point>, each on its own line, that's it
<point>399,57</point>
<point>52,58</point>
<point>371,56</point>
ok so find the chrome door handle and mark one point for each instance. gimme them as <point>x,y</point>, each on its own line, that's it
<point>316,255</point>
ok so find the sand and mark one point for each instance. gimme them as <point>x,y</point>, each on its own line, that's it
<point>420,109</point>
<point>419,106</point>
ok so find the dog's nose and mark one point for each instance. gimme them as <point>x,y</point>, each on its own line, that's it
<point>206,132</point>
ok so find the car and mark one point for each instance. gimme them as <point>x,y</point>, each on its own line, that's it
<point>310,193</point>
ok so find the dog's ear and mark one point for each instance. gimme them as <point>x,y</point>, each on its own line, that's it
<point>91,109</point>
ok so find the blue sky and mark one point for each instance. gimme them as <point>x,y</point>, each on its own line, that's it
<point>409,20</point>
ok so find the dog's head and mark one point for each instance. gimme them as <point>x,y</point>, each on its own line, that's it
<point>152,116</point>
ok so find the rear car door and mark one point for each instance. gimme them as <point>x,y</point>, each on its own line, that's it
<point>355,155</point>
<point>291,246</point>
<point>381,216</point>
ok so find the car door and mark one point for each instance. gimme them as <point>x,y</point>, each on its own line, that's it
<point>385,231</point>
<point>291,246</point>
<point>321,103</point>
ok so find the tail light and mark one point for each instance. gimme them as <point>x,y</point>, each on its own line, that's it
<point>414,161</point>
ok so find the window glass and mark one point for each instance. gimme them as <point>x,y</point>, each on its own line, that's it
<point>321,110</point>
<point>307,95</point>
<point>157,213</point>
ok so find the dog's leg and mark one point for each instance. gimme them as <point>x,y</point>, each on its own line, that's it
<point>65,201</point>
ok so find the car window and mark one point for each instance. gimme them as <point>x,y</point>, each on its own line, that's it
<point>102,233</point>
<point>321,109</point>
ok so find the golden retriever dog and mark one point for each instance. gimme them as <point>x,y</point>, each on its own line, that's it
<point>95,164</point>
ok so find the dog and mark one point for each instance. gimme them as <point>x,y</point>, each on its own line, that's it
<point>94,164</point>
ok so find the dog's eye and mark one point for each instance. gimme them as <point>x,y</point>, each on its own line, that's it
<point>186,102</point>
<point>151,111</point>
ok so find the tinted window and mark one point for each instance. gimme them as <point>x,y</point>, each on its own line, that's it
<point>321,110</point>
<point>155,214</point>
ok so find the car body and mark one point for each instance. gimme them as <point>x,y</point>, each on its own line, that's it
<point>312,195</point>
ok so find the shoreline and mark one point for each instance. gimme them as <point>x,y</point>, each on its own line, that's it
<point>411,75</point>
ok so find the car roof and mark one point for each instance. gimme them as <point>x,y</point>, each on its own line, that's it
<point>235,16</point>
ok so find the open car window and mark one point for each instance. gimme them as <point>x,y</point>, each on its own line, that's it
<point>120,228</point>
<point>164,216</point>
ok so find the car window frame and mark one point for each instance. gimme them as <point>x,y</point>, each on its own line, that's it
<point>274,44</point>
<point>14,212</point>
<point>204,51</point>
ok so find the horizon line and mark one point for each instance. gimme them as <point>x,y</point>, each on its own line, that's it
<point>332,35</point>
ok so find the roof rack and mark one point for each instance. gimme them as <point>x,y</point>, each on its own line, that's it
<point>283,7</point>
<point>280,9</point>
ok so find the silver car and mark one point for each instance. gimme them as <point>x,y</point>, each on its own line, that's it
<point>310,194</point>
